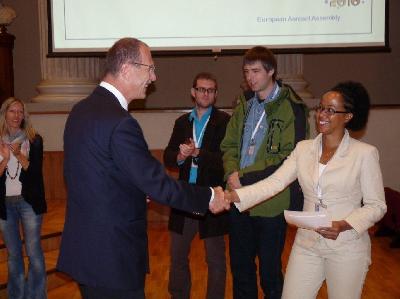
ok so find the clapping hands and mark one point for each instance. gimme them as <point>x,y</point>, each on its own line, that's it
<point>15,148</point>
<point>5,151</point>
<point>187,149</point>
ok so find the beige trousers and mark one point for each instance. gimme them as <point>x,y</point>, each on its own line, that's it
<point>344,267</point>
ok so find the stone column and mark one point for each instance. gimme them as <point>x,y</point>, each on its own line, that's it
<point>290,70</point>
<point>64,79</point>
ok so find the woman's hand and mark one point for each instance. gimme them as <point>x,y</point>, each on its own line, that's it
<point>15,148</point>
<point>5,151</point>
<point>334,231</point>
<point>231,196</point>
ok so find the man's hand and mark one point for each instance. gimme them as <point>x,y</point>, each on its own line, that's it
<point>219,204</point>
<point>233,181</point>
<point>231,196</point>
<point>186,149</point>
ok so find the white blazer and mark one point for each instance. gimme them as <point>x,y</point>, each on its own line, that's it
<point>351,185</point>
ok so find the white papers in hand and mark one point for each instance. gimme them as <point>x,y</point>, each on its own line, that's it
<point>308,220</point>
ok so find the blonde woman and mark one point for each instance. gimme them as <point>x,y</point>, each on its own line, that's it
<point>22,201</point>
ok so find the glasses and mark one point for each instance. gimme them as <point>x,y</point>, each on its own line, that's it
<point>151,67</point>
<point>328,110</point>
<point>205,90</point>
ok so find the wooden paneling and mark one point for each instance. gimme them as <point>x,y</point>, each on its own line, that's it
<point>6,64</point>
<point>53,175</point>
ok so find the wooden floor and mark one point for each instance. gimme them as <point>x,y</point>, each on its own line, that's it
<point>383,279</point>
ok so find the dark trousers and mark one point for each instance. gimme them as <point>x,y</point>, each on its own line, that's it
<point>250,237</point>
<point>88,292</point>
<point>179,274</point>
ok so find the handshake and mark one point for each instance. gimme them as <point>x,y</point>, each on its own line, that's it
<point>222,200</point>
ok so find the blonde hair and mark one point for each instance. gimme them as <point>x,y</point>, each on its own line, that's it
<point>26,125</point>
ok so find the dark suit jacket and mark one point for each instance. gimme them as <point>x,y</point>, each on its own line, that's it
<point>109,171</point>
<point>210,171</point>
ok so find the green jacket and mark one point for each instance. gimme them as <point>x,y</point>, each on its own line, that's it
<point>287,124</point>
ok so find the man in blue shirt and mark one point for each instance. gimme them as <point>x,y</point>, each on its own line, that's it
<point>194,148</point>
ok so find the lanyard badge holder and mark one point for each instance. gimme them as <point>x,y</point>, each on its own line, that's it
<point>319,204</point>
<point>252,144</point>
<point>197,142</point>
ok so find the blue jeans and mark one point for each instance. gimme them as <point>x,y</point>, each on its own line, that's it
<point>251,237</point>
<point>34,286</point>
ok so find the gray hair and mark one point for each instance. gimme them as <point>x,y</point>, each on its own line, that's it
<point>125,50</point>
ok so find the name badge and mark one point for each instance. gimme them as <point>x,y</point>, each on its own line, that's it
<point>195,163</point>
<point>319,205</point>
<point>250,151</point>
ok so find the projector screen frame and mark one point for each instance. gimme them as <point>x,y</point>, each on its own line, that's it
<point>227,52</point>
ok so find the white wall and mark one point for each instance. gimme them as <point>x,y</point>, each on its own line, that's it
<point>382,131</point>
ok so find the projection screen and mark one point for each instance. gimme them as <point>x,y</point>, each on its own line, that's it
<point>210,25</point>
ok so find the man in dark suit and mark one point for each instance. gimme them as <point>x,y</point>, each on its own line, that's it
<point>194,148</point>
<point>108,172</point>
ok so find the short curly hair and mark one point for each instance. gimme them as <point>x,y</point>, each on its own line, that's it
<point>357,101</point>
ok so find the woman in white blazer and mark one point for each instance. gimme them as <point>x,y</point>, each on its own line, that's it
<point>338,174</point>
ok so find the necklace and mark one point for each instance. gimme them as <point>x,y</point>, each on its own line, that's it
<point>12,177</point>
<point>327,155</point>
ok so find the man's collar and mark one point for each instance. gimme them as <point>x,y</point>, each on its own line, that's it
<point>272,95</point>
<point>111,88</point>
<point>193,114</point>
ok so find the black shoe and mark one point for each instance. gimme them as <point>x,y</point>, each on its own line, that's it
<point>384,231</point>
<point>395,242</point>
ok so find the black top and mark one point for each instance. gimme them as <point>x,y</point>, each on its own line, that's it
<point>31,179</point>
<point>210,169</point>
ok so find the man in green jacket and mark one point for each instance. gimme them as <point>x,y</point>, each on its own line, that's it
<point>265,127</point>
